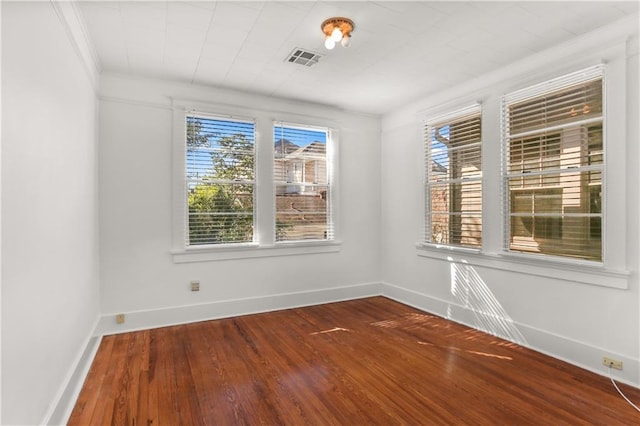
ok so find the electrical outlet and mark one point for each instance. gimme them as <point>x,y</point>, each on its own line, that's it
<point>195,285</point>
<point>120,319</point>
<point>613,363</point>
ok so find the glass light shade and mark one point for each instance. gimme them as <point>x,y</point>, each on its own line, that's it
<point>329,43</point>
<point>346,41</point>
<point>336,34</point>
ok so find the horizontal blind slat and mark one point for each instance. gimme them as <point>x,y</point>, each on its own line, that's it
<point>588,74</point>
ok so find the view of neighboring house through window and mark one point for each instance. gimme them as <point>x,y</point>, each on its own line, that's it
<point>302,184</point>
<point>554,165</point>
<point>220,181</point>
<point>453,189</point>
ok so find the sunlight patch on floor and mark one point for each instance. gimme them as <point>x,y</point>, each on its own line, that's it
<point>386,323</point>
<point>506,358</point>
<point>411,320</point>
<point>332,330</point>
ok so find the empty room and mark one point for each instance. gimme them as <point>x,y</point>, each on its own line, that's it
<point>320,212</point>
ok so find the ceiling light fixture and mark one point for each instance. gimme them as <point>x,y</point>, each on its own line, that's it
<point>337,30</point>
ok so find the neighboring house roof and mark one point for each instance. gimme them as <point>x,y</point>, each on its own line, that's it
<point>284,146</point>
<point>314,149</point>
<point>437,167</point>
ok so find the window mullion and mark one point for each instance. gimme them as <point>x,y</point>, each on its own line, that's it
<point>265,210</point>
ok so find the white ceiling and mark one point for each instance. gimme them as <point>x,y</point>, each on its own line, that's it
<point>400,51</point>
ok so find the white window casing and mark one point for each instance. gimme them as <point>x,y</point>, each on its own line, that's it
<point>611,270</point>
<point>195,247</point>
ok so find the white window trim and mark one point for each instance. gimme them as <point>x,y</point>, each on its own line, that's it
<point>252,250</point>
<point>574,271</point>
<point>613,271</point>
<point>264,210</point>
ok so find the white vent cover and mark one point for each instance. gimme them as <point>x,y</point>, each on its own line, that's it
<point>303,57</point>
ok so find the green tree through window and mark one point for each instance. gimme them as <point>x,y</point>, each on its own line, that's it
<point>220,171</point>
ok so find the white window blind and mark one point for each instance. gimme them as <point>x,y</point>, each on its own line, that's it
<point>220,179</point>
<point>302,183</point>
<point>453,189</point>
<point>553,166</point>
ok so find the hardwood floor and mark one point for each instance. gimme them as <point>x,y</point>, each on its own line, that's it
<point>368,361</point>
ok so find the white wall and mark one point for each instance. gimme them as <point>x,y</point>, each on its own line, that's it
<point>0,216</point>
<point>569,319</point>
<point>137,271</point>
<point>50,294</point>
<point>50,188</point>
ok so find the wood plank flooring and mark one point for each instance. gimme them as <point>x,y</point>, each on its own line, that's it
<point>368,361</point>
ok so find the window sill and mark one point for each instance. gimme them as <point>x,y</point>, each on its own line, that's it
<point>248,251</point>
<point>574,271</point>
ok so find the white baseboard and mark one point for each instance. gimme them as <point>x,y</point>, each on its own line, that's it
<point>572,351</point>
<point>144,320</point>
<point>66,398</point>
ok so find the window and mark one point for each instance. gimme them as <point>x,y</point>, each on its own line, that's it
<point>302,183</point>
<point>453,190</point>
<point>553,166</point>
<point>248,188</point>
<point>220,179</point>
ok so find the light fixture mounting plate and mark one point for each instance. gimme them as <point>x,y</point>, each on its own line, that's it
<point>346,26</point>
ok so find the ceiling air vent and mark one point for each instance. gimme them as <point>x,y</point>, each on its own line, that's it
<point>303,57</point>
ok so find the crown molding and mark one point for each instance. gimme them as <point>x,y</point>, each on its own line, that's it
<point>72,20</point>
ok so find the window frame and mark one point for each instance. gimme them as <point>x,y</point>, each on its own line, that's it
<point>613,272</point>
<point>263,244</point>
<point>528,94</point>
<point>452,116</point>
<point>330,169</point>
<point>217,181</point>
